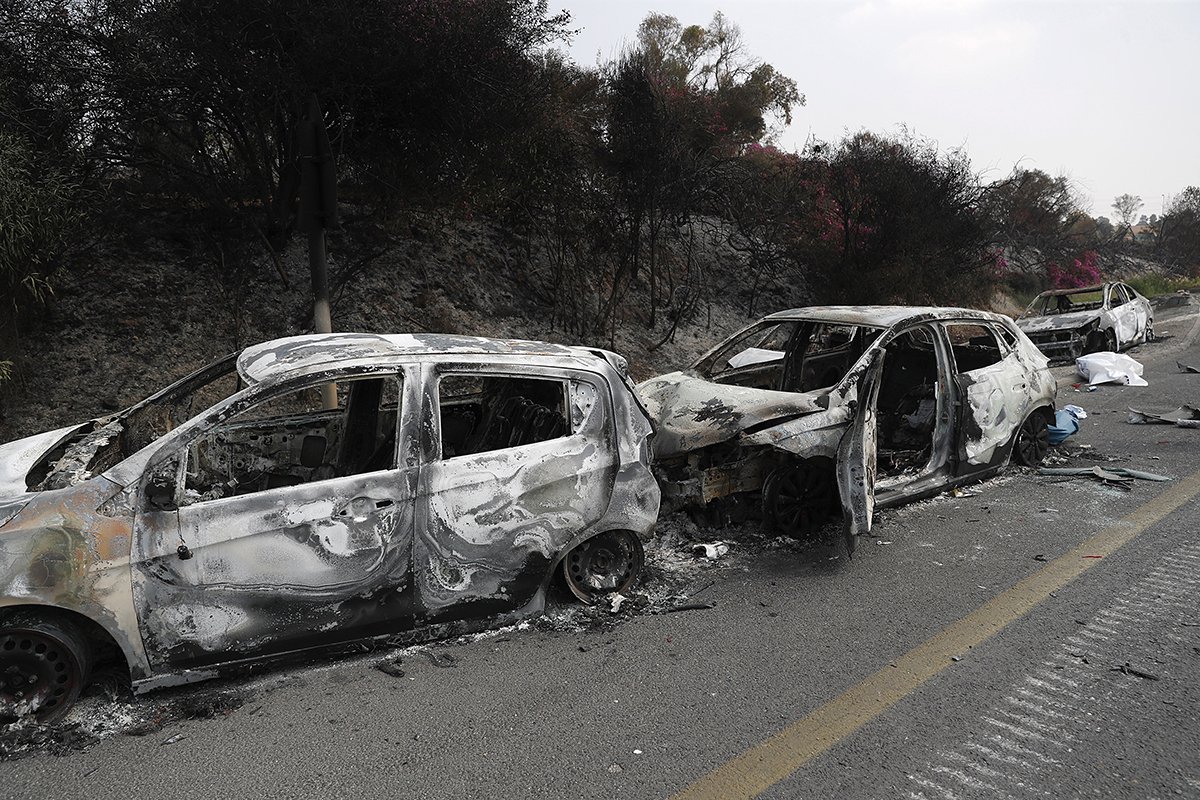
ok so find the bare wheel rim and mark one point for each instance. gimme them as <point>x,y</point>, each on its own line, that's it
<point>799,498</point>
<point>1110,341</point>
<point>1033,441</point>
<point>42,670</point>
<point>605,564</point>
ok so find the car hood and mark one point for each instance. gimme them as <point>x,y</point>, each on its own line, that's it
<point>17,458</point>
<point>690,412</point>
<point>1058,322</point>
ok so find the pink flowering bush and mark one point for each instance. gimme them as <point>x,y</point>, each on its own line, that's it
<point>1085,272</point>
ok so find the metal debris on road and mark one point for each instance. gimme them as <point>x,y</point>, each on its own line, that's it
<point>1107,475</point>
<point>1183,417</point>
<point>1187,367</point>
<point>1126,669</point>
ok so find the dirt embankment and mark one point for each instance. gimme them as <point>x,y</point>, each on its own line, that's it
<point>128,320</point>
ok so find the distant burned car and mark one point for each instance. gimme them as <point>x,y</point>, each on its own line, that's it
<point>820,409</point>
<point>1066,323</point>
<point>330,488</point>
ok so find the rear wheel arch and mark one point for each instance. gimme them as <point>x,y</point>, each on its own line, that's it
<point>104,646</point>
<point>47,656</point>
<point>598,559</point>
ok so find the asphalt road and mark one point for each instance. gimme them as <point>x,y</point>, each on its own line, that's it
<point>1086,689</point>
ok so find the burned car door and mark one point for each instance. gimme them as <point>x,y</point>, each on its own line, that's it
<point>993,393</point>
<point>519,465</point>
<point>856,461</point>
<point>1129,318</point>
<point>281,526</point>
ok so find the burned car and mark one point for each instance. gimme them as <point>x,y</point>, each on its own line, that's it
<point>817,410</point>
<point>312,491</point>
<point>1066,323</point>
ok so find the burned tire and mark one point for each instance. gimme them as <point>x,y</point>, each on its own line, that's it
<point>1096,343</point>
<point>606,564</point>
<point>1110,341</point>
<point>800,497</point>
<point>43,667</point>
<point>1033,440</point>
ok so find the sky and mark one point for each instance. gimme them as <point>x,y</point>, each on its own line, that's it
<point>1106,93</point>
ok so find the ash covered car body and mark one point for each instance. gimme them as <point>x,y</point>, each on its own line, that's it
<point>818,409</point>
<point>1066,323</point>
<point>250,510</point>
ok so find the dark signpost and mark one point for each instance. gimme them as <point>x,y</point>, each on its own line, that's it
<point>317,211</point>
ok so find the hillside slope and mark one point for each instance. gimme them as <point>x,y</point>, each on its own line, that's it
<point>131,319</point>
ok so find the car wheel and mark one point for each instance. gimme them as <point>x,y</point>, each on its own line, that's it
<point>1148,336</point>
<point>1110,341</point>
<point>43,668</point>
<point>799,498</point>
<point>606,564</point>
<point>1095,343</point>
<point>1033,440</point>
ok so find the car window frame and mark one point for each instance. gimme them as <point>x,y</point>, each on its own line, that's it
<point>179,441</point>
<point>432,428</point>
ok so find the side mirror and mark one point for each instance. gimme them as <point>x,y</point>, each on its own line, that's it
<point>160,494</point>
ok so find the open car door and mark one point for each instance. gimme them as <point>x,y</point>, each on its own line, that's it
<point>856,457</point>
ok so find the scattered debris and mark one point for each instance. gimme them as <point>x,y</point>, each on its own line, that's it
<point>442,659</point>
<point>615,603</point>
<point>179,737</point>
<point>1041,557</point>
<point>711,551</point>
<point>1127,669</point>
<point>958,492</point>
<point>1108,367</point>
<point>688,607</point>
<point>1106,475</point>
<point>391,667</point>
<point>1187,367</point>
<point>1184,417</point>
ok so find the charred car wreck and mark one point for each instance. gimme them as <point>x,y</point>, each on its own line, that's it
<point>1066,323</point>
<point>317,490</point>
<point>819,410</point>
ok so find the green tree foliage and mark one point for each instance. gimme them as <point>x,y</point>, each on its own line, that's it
<point>40,216</point>
<point>901,222</point>
<point>198,98</point>
<point>1030,209</point>
<point>1126,207</point>
<point>1180,236</point>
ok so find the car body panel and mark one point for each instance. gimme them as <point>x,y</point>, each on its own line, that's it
<point>184,586</point>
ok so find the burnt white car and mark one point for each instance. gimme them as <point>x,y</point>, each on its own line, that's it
<point>819,410</point>
<point>1066,323</point>
<point>312,491</point>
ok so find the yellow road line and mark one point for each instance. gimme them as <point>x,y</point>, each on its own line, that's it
<point>765,764</point>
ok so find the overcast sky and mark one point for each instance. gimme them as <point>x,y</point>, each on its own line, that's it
<point>1107,93</point>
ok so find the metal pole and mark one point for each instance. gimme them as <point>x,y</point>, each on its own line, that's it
<point>322,319</point>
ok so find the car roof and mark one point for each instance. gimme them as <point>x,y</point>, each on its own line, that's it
<point>299,355</point>
<point>1076,290</point>
<point>879,316</point>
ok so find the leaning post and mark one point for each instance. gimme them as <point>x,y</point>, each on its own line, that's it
<point>318,211</point>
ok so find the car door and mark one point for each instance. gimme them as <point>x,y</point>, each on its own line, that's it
<point>308,541</point>
<point>519,463</point>
<point>856,461</point>
<point>991,383</point>
<point>1128,322</point>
